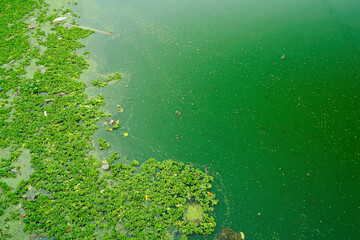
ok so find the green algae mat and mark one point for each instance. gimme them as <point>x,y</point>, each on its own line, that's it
<point>47,121</point>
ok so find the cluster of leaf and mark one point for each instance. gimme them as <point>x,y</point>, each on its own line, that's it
<point>13,41</point>
<point>103,144</point>
<point>61,138</point>
<point>113,126</point>
<point>52,117</point>
<point>107,80</point>
<point>151,203</point>
<point>14,46</point>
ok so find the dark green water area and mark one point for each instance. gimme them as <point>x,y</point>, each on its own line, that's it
<point>256,103</point>
<point>269,98</point>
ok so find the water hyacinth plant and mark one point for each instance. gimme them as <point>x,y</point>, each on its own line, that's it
<point>67,196</point>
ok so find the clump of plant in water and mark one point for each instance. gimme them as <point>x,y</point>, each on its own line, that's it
<point>103,144</point>
<point>66,197</point>
<point>107,80</point>
<point>112,125</point>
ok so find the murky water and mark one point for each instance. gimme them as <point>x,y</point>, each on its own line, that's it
<point>268,93</point>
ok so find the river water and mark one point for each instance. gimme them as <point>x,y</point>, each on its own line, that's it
<point>263,94</point>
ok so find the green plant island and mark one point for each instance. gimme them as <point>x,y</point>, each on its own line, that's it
<point>69,195</point>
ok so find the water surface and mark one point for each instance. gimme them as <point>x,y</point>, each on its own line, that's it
<point>280,134</point>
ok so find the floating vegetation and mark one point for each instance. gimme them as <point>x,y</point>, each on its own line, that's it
<point>194,213</point>
<point>103,144</point>
<point>120,108</point>
<point>71,194</point>
<point>112,125</point>
<point>117,125</point>
<point>107,80</point>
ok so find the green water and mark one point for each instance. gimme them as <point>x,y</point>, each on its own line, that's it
<point>280,136</point>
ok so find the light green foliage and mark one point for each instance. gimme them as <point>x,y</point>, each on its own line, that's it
<point>117,125</point>
<point>135,163</point>
<point>74,201</point>
<point>194,213</point>
<point>103,144</point>
<point>107,80</point>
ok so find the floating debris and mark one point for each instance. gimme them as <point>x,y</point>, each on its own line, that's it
<point>282,57</point>
<point>59,19</point>
<point>10,37</point>
<point>229,234</point>
<point>31,26</point>
<point>105,166</point>
<point>91,29</point>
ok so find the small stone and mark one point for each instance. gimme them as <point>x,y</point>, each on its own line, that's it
<point>105,166</point>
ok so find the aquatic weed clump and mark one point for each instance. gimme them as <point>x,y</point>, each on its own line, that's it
<point>103,144</point>
<point>152,203</point>
<point>194,213</point>
<point>69,195</point>
<point>102,83</point>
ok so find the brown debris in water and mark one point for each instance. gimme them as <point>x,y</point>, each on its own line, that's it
<point>229,234</point>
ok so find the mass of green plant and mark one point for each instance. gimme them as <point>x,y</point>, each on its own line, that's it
<point>107,80</point>
<point>69,195</point>
<point>103,144</point>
